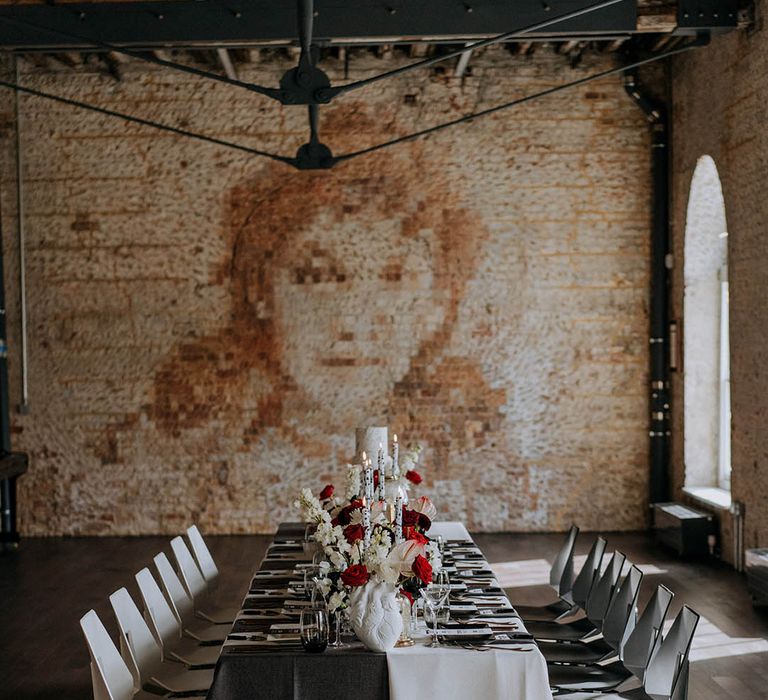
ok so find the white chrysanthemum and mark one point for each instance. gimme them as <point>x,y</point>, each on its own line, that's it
<point>353,481</point>
<point>337,601</point>
<point>336,558</point>
<point>324,586</point>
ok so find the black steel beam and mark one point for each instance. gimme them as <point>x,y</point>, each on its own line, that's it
<point>245,22</point>
<point>716,15</point>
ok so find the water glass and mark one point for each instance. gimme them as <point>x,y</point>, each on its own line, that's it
<point>314,629</point>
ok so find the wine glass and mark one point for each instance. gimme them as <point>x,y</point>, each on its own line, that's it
<point>441,578</point>
<point>434,595</point>
<point>314,629</point>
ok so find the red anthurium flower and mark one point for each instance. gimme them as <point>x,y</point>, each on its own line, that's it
<point>357,575</point>
<point>413,476</point>
<point>422,568</point>
<point>415,535</point>
<point>327,492</point>
<point>354,533</point>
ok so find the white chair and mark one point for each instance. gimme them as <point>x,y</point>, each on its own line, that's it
<point>110,676</point>
<point>144,657</point>
<point>166,627</point>
<point>197,588</point>
<point>203,557</point>
<point>183,607</point>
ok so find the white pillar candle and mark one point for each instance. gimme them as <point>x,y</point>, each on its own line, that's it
<point>398,520</point>
<point>367,439</point>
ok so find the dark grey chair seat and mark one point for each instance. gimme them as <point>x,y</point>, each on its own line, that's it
<point>578,653</point>
<point>585,678</point>
<point>543,612</point>
<point>569,632</point>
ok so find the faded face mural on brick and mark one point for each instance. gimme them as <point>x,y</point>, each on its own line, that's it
<point>343,290</point>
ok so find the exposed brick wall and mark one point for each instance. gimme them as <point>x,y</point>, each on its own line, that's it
<point>721,110</point>
<point>208,328</point>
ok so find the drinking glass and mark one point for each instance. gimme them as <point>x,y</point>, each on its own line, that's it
<point>337,620</point>
<point>434,596</point>
<point>311,574</point>
<point>314,629</point>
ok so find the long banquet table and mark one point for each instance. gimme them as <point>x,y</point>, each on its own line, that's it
<point>252,667</point>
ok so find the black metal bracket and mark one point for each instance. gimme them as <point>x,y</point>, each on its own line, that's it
<point>300,85</point>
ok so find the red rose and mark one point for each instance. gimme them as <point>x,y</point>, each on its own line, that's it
<point>422,568</point>
<point>413,476</point>
<point>410,517</point>
<point>354,533</point>
<point>346,512</point>
<point>327,492</point>
<point>407,594</point>
<point>411,533</point>
<point>357,575</point>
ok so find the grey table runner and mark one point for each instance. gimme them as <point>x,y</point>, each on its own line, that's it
<point>292,674</point>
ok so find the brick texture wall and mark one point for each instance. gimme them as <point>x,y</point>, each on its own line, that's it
<point>207,328</point>
<point>721,110</point>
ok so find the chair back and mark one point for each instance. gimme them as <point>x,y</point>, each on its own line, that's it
<point>190,575</point>
<point>203,556</point>
<point>640,645</point>
<point>140,650</point>
<point>586,578</point>
<point>667,674</point>
<point>179,600</point>
<point>621,617</point>
<point>111,678</point>
<point>561,573</point>
<point>602,592</point>
<point>158,614</point>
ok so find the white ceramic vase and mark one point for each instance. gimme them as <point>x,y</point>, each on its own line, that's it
<point>374,613</point>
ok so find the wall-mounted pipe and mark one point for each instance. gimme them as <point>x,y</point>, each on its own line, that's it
<point>659,391</point>
<point>24,404</point>
<point>737,511</point>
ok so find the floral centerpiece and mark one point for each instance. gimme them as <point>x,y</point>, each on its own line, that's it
<point>375,545</point>
<point>407,565</point>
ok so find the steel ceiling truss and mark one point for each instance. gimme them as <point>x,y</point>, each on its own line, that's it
<point>306,84</point>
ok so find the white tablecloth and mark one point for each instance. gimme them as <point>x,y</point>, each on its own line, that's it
<point>449,530</point>
<point>422,673</point>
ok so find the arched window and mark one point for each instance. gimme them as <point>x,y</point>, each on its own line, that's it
<point>706,358</point>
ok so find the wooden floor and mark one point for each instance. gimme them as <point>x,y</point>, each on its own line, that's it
<point>47,586</point>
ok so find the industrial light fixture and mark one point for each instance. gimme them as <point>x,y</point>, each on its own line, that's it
<point>306,84</point>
